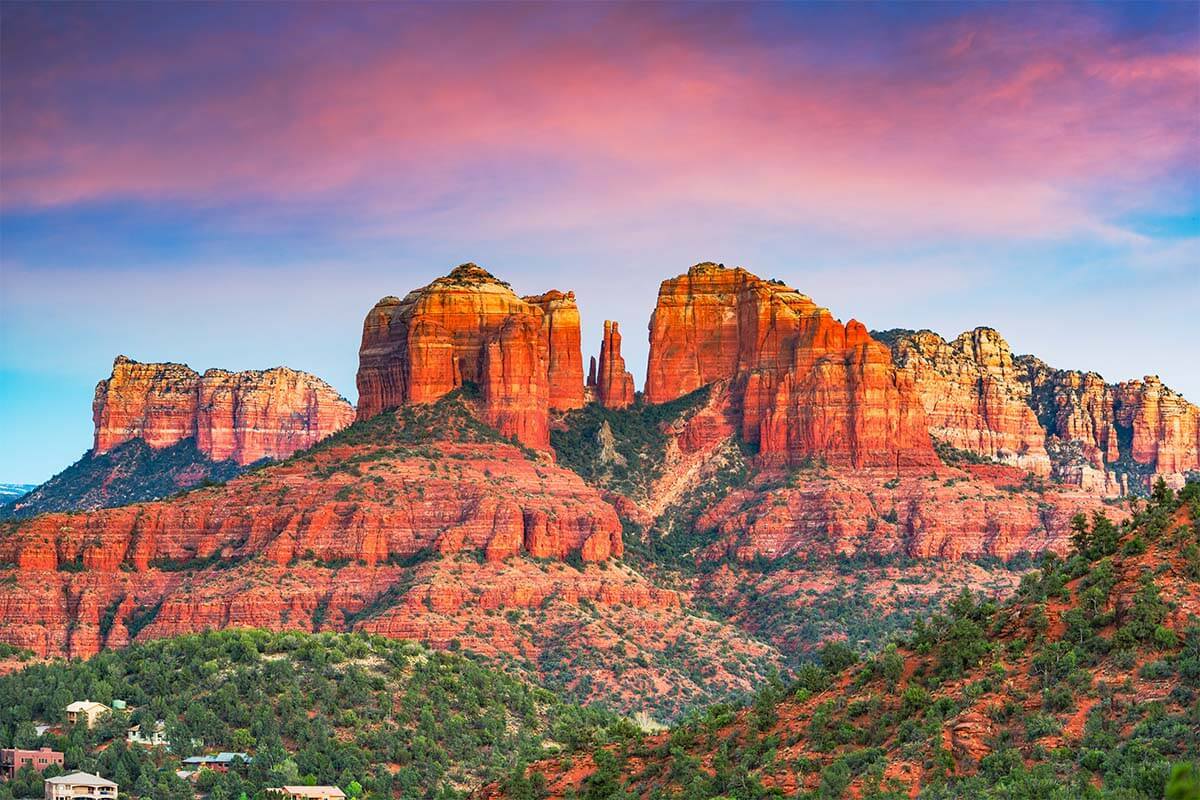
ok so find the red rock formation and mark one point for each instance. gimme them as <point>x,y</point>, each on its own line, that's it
<point>695,338</point>
<point>614,385</point>
<point>564,353</point>
<point>1164,427</point>
<point>807,386</point>
<point>244,416</point>
<point>154,402</point>
<point>1114,438</point>
<point>471,327</point>
<point>973,397</point>
<point>956,514</point>
<point>489,499</point>
<point>515,388</point>
<point>1065,424</point>
<point>1077,412</point>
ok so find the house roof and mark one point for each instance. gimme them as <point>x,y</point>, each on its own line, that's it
<point>314,791</point>
<point>219,758</point>
<point>80,779</point>
<point>86,705</point>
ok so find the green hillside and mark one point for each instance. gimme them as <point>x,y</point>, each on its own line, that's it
<point>380,717</point>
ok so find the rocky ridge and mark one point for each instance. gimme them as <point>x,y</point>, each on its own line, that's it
<point>608,379</point>
<point>1065,424</point>
<point>243,416</point>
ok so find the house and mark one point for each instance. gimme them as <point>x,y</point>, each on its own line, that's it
<point>221,762</point>
<point>12,759</point>
<point>86,710</point>
<point>153,738</point>
<point>80,785</point>
<point>308,792</point>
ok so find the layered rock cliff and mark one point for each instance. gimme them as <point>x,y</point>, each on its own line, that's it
<point>807,386</point>
<point>1066,424</point>
<point>612,383</point>
<point>243,417</point>
<point>471,328</point>
<point>973,397</point>
<point>564,351</point>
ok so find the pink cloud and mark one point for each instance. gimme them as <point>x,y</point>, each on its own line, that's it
<point>977,128</point>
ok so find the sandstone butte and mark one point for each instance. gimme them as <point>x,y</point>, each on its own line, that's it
<point>468,327</point>
<point>243,416</point>
<point>806,385</point>
<point>1064,424</point>
<point>611,382</point>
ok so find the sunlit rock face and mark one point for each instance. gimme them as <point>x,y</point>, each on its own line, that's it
<point>611,382</point>
<point>468,327</point>
<point>1065,424</point>
<point>806,385</point>
<point>973,396</point>
<point>242,416</point>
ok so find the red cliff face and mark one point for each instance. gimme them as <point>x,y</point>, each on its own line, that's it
<point>807,386</point>
<point>1065,424</point>
<point>1163,427</point>
<point>564,353</point>
<point>244,416</point>
<point>470,327</point>
<point>154,402</point>
<point>613,383</point>
<point>973,397</point>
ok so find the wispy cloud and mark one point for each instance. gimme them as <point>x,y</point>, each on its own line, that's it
<point>526,122</point>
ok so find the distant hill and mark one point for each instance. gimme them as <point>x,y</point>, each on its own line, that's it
<point>11,491</point>
<point>131,472</point>
<point>1085,685</point>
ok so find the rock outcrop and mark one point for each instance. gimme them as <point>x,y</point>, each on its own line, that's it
<point>471,328</point>
<point>613,384</point>
<point>564,351</point>
<point>1064,424</point>
<point>973,397</point>
<point>807,386</point>
<point>969,513</point>
<point>243,416</point>
<point>1162,427</point>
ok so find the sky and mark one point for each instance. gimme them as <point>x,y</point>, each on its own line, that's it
<point>234,185</point>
